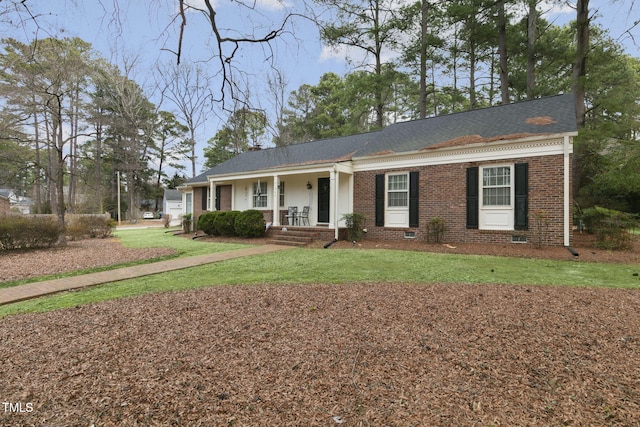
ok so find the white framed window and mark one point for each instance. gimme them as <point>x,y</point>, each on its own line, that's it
<point>398,190</point>
<point>496,186</point>
<point>497,195</point>
<point>259,194</point>
<point>397,200</point>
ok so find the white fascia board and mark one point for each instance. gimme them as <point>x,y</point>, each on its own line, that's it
<point>297,170</point>
<point>547,145</point>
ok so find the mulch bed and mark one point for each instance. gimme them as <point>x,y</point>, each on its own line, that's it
<point>355,355</point>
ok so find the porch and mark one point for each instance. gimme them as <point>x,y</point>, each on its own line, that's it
<point>315,198</point>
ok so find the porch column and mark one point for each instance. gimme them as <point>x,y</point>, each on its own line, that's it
<point>276,200</point>
<point>333,191</point>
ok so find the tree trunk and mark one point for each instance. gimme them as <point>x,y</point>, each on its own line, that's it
<point>502,49</point>
<point>98,177</point>
<point>193,151</point>
<point>59,164</point>
<point>423,59</point>
<point>472,74</point>
<point>532,24</point>
<point>38,167</point>
<point>378,49</point>
<point>580,64</point>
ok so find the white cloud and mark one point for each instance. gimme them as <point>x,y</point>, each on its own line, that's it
<point>272,4</point>
<point>552,8</point>
<point>259,4</point>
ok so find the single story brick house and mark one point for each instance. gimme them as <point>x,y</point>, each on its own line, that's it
<point>500,174</point>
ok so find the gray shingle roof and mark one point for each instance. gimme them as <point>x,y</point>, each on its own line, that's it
<point>551,115</point>
<point>170,194</point>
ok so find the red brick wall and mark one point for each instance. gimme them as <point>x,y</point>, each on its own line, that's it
<point>443,194</point>
<point>225,200</point>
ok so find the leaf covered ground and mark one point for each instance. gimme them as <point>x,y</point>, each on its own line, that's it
<point>355,355</point>
<point>360,354</point>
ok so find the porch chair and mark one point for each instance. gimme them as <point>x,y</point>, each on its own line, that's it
<point>304,216</point>
<point>292,215</point>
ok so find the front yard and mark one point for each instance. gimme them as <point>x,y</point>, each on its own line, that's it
<point>334,337</point>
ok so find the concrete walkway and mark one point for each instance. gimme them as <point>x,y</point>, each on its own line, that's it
<point>38,289</point>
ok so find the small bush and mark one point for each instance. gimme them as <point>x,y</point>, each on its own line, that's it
<point>206,222</point>
<point>166,220</point>
<point>435,230</point>
<point>612,228</point>
<point>354,223</point>
<point>90,227</point>
<point>187,220</point>
<point>541,225</point>
<point>224,223</point>
<point>250,223</point>
<point>19,232</point>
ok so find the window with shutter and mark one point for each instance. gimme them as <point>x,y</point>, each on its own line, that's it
<point>472,197</point>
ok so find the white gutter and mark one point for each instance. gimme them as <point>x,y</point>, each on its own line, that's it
<point>567,183</point>
<point>336,198</point>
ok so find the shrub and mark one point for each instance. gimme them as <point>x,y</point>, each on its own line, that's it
<point>206,222</point>
<point>224,223</point>
<point>19,232</point>
<point>612,228</point>
<point>91,227</point>
<point>250,223</point>
<point>435,230</point>
<point>166,220</point>
<point>354,223</point>
<point>542,222</point>
<point>187,219</point>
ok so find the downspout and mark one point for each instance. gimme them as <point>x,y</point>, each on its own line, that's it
<point>567,199</point>
<point>335,202</point>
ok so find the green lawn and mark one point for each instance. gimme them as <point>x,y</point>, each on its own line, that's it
<point>145,238</point>
<point>337,266</point>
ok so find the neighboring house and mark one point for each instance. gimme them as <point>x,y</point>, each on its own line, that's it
<point>495,175</point>
<point>172,205</point>
<point>17,203</point>
<point>5,205</point>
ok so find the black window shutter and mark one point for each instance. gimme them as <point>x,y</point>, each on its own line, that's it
<point>473,198</point>
<point>521,221</point>
<point>380,200</point>
<point>414,190</point>
<point>204,198</point>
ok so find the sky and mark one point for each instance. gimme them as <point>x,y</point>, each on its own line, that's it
<point>141,33</point>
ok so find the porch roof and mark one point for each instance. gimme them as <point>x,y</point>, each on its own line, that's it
<point>308,154</point>
<point>545,116</point>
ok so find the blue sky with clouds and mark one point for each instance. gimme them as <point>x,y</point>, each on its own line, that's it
<point>143,33</point>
